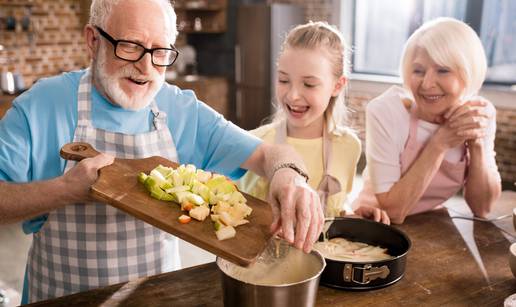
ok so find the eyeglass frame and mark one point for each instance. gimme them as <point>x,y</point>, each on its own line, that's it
<point>115,43</point>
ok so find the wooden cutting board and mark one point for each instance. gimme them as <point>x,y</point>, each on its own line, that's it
<point>118,186</point>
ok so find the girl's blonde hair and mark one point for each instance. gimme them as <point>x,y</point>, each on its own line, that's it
<point>449,43</point>
<point>314,35</point>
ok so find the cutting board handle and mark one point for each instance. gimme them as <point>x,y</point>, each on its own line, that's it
<point>77,151</point>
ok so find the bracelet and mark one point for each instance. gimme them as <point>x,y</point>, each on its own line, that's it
<point>291,166</point>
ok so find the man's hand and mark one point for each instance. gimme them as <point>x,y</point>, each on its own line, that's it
<point>78,180</point>
<point>297,212</point>
<point>22,201</point>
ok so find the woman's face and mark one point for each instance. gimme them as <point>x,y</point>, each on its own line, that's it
<point>435,88</point>
<point>304,87</point>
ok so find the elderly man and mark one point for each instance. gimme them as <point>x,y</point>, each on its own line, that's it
<point>122,106</point>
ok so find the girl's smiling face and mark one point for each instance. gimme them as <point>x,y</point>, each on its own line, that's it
<point>435,88</point>
<point>304,87</point>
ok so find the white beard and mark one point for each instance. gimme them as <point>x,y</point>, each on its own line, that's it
<point>110,83</point>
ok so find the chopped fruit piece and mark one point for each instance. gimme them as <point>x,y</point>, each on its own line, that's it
<point>179,188</point>
<point>184,219</point>
<point>214,217</point>
<point>187,206</point>
<point>225,232</point>
<point>225,218</point>
<point>141,177</point>
<point>217,225</point>
<point>199,193</point>
<point>200,213</point>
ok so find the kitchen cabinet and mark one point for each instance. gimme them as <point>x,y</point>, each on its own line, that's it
<point>213,91</point>
<point>255,57</point>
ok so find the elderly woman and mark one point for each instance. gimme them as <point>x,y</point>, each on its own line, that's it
<point>434,136</point>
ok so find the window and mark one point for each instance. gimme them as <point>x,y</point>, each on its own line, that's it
<point>498,33</point>
<point>379,28</point>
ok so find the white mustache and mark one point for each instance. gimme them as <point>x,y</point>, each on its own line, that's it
<point>133,73</point>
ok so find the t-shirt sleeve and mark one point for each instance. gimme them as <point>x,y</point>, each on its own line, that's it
<point>229,146</point>
<point>15,143</point>
<point>251,183</point>
<point>383,144</point>
<point>206,139</point>
<point>15,159</point>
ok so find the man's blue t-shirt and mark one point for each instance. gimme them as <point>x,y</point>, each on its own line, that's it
<point>44,118</point>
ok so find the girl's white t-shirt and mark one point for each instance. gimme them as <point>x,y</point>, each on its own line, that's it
<point>387,129</point>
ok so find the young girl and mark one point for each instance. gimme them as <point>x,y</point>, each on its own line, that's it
<point>310,116</point>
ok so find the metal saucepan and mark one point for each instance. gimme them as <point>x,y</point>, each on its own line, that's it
<point>294,281</point>
<point>366,275</point>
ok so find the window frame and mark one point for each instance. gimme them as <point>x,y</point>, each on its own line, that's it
<point>345,18</point>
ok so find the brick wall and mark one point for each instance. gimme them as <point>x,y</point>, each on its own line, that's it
<point>505,143</point>
<point>53,43</point>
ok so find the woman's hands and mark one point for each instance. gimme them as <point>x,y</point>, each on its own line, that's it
<point>463,123</point>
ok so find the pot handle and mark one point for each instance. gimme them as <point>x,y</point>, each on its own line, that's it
<point>369,273</point>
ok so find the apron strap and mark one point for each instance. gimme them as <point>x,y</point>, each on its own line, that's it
<point>329,185</point>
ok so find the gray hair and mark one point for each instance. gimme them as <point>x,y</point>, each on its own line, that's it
<point>100,11</point>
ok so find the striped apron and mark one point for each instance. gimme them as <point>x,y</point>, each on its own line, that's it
<point>88,245</point>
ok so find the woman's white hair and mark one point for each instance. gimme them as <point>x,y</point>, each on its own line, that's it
<point>100,11</point>
<point>450,43</point>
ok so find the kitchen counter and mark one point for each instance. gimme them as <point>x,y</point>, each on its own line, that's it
<point>452,261</point>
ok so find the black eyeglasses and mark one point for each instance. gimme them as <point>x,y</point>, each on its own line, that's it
<point>133,52</point>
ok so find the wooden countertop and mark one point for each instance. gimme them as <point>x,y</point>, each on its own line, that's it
<point>453,262</point>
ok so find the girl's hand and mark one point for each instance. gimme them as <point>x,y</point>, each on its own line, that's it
<point>372,213</point>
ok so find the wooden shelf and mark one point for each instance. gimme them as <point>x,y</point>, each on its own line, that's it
<point>201,16</point>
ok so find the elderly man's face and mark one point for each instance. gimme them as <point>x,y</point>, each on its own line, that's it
<point>132,85</point>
